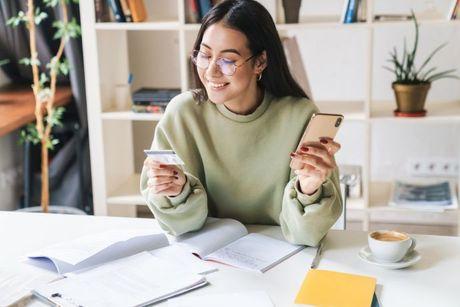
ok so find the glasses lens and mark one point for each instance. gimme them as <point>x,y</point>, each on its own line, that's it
<point>226,67</point>
<point>200,59</point>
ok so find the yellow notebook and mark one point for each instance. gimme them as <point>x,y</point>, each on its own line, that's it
<point>334,289</point>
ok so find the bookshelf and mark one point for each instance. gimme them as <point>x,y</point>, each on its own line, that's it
<point>156,52</point>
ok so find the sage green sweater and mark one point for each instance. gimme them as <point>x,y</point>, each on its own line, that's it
<point>237,166</point>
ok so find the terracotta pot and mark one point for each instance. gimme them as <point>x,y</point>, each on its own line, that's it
<point>410,98</point>
<point>291,10</point>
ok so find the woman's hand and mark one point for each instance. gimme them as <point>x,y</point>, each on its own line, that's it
<point>317,163</point>
<point>164,180</point>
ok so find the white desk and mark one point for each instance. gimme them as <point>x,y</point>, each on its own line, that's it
<point>434,281</point>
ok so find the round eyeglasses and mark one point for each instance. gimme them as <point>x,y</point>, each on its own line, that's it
<point>226,66</point>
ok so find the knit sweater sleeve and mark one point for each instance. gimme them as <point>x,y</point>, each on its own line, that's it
<point>305,219</point>
<point>184,212</point>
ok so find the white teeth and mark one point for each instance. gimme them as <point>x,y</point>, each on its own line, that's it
<point>216,85</point>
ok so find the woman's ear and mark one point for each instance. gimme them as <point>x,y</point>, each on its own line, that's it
<point>261,62</point>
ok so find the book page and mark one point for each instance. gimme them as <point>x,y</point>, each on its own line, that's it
<point>99,248</point>
<point>215,234</point>
<point>132,281</point>
<point>254,252</point>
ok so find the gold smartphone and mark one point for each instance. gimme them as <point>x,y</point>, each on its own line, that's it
<point>320,125</point>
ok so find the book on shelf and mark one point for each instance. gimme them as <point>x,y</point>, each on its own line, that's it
<point>138,10</point>
<point>102,11</point>
<point>192,11</point>
<point>117,10</point>
<point>139,280</point>
<point>392,17</point>
<point>350,11</point>
<point>126,10</point>
<point>453,10</point>
<point>426,194</point>
<point>148,109</point>
<point>205,7</point>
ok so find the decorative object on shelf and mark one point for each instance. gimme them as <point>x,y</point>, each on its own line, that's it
<point>291,10</point>
<point>411,85</point>
<point>44,85</point>
<point>454,10</point>
<point>350,11</point>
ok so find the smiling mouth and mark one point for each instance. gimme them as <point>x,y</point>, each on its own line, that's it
<point>217,86</point>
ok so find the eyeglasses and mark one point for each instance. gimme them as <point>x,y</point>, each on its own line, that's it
<point>226,66</point>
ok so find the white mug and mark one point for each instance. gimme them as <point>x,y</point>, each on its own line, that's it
<point>390,246</point>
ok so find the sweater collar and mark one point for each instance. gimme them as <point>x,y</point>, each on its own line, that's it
<point>246,118</point>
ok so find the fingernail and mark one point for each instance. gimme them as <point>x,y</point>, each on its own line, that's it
<point>176,177</point>
<point>323,141</point>
<point>175,173</point>
<point>292,154</point>
<point>305,149</point>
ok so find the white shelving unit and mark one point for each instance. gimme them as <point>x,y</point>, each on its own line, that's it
<point>156,52</point>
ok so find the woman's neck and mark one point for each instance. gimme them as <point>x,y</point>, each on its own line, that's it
<point>248,105</point>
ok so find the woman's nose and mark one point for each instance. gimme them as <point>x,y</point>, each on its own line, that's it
<point>213,69</point>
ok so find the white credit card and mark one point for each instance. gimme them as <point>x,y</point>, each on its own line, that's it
<point>168,157</point>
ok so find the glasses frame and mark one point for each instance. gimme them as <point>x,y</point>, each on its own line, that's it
<point>218,62</point>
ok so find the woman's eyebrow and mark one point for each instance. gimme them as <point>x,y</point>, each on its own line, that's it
<point>223,51</point>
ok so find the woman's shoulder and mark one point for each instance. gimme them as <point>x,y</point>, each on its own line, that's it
<point>295,104</point>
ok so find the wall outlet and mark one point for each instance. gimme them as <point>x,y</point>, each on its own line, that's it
<point>433,167</point>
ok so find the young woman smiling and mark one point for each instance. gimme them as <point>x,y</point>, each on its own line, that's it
<point>236,134</point>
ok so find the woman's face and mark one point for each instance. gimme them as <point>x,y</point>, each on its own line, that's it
<point>230,46</point>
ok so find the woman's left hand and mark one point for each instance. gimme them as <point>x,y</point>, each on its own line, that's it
<point>317,163</point>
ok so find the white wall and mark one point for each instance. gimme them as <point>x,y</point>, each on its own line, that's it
<point>10,181</point>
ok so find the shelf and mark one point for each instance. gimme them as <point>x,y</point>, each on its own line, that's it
<point>130,115</point>
<point>128,193</point>
<point>386,214</point>
<point>164,25</point>
<point>352,110</point>
<point>436,111</point>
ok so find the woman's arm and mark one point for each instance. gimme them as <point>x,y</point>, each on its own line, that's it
<point>182,213</point>
<point>305,219</point>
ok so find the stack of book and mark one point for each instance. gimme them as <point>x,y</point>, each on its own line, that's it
<point>152,100</point>
<point>120,10</point>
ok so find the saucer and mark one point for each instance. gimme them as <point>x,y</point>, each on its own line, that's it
<point>408,260</point>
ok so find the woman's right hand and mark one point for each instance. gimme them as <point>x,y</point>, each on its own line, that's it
<point>164,180</point>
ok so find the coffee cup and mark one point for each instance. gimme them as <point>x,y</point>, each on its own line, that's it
<point>389,245</point>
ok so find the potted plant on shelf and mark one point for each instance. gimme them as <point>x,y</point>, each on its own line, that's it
<point>44,81</point>
<point>411,85</point>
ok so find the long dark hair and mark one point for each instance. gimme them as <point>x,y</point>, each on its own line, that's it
<point>253,20</point>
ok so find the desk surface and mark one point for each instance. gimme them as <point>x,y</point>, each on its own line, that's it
<point>433,281</point>
<point>17,105</point>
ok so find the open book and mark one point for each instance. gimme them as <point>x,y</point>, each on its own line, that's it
<point>138,280</point>
<point>227,241</point>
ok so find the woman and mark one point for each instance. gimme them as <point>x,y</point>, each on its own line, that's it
<point>236,134</point>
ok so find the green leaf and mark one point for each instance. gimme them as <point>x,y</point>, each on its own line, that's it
<point>51,3</point>
<point>28,61</point>
<point>16,20</point>
<point>29,133</point>
<point>64,67</point>
<point>428,59</point>
<point>3,62</point>
<point>439,75</point>
<point>43,79</point>
<point>55,119</point>
<point>39,16</point>
<point>67,30</point>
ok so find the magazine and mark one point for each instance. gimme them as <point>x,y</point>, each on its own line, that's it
<point>429,195</point>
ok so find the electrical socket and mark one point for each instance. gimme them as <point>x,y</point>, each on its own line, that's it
<point>433,167</point>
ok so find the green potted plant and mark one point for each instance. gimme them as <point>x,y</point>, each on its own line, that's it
<point>44,80</point>
<point>412,84</point>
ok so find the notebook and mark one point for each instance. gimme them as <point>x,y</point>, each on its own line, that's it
<point>227,241</point>
<point>95,249</point>
<point>335,289</point>
<point>138,280</point>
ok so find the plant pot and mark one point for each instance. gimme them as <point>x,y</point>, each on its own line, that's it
<point>410,98</point>
<point>291,10</point>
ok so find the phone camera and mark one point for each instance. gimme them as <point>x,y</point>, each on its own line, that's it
<point>338,121</point>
